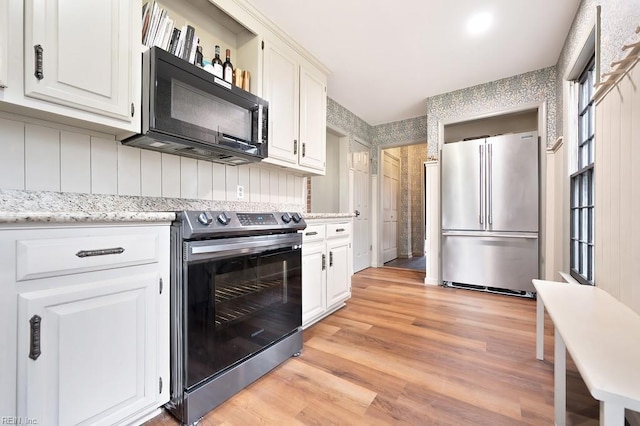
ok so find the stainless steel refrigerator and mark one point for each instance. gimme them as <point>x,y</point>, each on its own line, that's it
<point>490,204</point>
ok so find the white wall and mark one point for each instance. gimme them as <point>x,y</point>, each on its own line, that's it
<point>38,155</point>
<point>325,190</point>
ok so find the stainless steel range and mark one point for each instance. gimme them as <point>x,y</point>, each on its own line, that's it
<point>236,303</point>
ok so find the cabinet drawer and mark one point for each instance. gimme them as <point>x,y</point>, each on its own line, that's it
<point>41,258</point>
<point>313,233</point>
<point>337,230</point>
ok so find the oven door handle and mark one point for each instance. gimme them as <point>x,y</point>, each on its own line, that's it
<point>225,248</point>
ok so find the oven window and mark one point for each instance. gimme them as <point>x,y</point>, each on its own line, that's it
<point>235,307</point>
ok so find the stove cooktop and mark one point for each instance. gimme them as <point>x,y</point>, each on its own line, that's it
<point>212,224</point>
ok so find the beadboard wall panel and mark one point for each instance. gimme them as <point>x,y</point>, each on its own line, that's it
<point>64,159</point>
<point>617,191</point>
<point>12,158</point>
<point>42,158</point>
<point>75,162</point>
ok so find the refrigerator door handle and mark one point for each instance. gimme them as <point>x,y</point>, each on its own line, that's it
<point>490,183</point>
<point>531,236</point>
<point>480,212</point>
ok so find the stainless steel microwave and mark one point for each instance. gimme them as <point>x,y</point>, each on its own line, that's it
<point>187,111</point>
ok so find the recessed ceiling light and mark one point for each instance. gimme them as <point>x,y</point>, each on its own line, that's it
<point>479,23</point>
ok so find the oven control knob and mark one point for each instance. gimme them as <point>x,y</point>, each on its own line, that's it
<point>205,218</point>
<point>296,217</point>
<point>224,219</point>
<point>286,218</point>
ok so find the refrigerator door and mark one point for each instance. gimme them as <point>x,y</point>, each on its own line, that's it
<point>512,183</point>
<point>463,185</point>
<point>507,261</point>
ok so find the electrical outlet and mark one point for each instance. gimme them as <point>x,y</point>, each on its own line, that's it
<point>240,191</point>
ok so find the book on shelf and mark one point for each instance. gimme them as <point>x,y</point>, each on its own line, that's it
<point>188,43</point>
<point>173,43</point>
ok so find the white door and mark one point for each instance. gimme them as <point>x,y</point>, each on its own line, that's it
<point>361,205</point>
<point>390,187</point>
<point>94,356</point>
<point>281,89</point>
<point>85,50</point>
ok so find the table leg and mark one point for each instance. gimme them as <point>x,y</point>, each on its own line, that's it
<point>539,329</point>
<point>560,379</point>
<point>611,414</point>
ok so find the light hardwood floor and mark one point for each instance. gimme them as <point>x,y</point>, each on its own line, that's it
<point>403,353</point>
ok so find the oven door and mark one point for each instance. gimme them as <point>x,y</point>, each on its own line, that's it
<point>241,295</point>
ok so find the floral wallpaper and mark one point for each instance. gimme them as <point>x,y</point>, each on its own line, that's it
<point>343,119</point>
<point>618,21</point>
<point>532,87</point>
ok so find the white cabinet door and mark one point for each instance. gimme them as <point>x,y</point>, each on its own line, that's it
<point>4,38</point>
<point>338,289</point>
<point>281,89</point>
<point>93,359</point>
<point>86,54</point>
<point>313,118</point>
<point>313,281</point>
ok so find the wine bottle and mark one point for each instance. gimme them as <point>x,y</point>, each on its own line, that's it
<point>217,64</point>
<point>228,68</point>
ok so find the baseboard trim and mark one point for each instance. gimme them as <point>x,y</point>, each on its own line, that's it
<point>431,281</point>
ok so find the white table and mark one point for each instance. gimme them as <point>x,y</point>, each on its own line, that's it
<point>603,337</point>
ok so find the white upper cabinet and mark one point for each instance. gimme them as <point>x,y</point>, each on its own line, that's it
<point>80,63</point>
<point>313,118</point>
<point>281,89</point>
<point>297,97</point>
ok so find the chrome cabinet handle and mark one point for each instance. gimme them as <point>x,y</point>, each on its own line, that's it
<point>324,261</point>
<point>311,233</point>
<point>101,252</point>
<point>330,259</point>
<point>304,149</point>
<point>295,146</point>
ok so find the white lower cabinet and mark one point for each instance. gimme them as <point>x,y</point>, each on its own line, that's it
<point>92,327</point>
<point>326,276</point>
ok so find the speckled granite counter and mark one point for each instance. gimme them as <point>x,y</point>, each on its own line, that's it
<point>42,206</point>
<point>311,216</point>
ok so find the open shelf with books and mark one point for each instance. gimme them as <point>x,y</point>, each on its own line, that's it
<point>179,26</point>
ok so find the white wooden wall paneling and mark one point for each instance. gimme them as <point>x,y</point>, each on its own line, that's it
<point>625,218</point>
<point>75,162</point>
<point>104,166</point>
<point>613,145</point>
<point>265,186</point>
<point>188,178</point>
<point>253,194</point>
<point>633,286</point>
<point>42,158</point>
<point>150,173</point>
<point>12,160</point>
<point>244,180</point>
<point>205,180</point>
<point>219,182</point>
<point>282,188</point>
<point>170,176</point>
<point>129,170</point>
<point>232,183</point>
<point>617,175</point>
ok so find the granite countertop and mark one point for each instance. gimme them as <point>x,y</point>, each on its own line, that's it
<point>17,206</point>
<point>327,215</point>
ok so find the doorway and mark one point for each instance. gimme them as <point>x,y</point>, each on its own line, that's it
<point>402,228</point>
<point>360,154</point>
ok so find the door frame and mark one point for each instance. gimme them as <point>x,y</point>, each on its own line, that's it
<point>352,193</point>
<point>376,199</point>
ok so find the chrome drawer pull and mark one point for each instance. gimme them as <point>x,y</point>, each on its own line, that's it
<point>102,252</point>
<point>340,230</point>
<point>308,234</point>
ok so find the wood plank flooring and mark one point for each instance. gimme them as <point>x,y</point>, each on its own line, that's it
<point>403,353</point>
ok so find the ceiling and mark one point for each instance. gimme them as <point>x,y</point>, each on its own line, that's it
<point>387,57</point>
